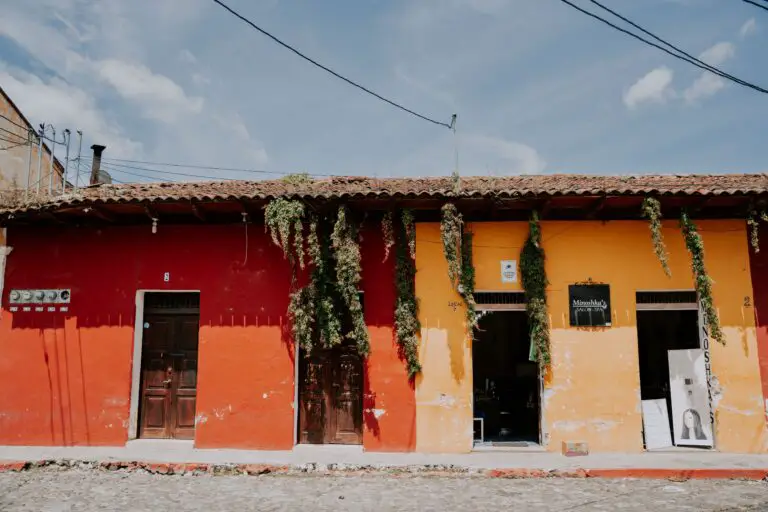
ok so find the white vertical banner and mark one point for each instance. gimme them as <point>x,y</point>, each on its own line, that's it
<point>4,252</point>
<point>691,411</point>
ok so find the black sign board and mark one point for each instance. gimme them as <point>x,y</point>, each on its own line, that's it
<point>589,305</point>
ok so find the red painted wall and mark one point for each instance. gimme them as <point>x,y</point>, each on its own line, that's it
<point>759,270</point>
<point>65,378</point>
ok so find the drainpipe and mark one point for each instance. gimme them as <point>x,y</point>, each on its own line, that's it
<point>96,166</point>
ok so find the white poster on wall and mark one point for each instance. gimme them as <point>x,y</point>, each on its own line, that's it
<point>656,424</point>
<point>691,418</point>
<point>508,271</point>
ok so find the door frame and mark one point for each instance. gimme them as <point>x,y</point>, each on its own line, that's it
<point>704,341</point>
<point>519,308</point>
<point>138,340</point>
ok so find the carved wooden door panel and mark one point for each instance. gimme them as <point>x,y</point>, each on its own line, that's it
<point>169,376</point>
<point>331,400</point>
<point>347,398</point>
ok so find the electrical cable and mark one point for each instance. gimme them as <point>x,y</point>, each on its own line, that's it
<point>665,50</point>
<point>206,167</point>
<point>756,4</point>
<point>12,146</point>
<point>14,122</point>
<point>118,167</point>
<point>711,68</point>
<point>329,70</point>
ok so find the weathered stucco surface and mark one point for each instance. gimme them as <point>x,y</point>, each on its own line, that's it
<point>592,392</point>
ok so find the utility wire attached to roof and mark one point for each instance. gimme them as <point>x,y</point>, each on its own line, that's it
<point>329,70</point>
<point>762,6</point>
<point>681,55</point>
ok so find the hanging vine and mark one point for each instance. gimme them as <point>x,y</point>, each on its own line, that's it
<point>695,246</point>
<point>410,231</point>
<point>407,324</point>
<point>534,280</point>
<point>457,248</point>
<point>388,233</point>
<point>345,245</point>
<point>467,282</point>
<point>451,227</point>
<point>753,222</point>
<point>284,220</point>
<point>652,211</point>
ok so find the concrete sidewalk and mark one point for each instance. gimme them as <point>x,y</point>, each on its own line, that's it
<point>509,462</point>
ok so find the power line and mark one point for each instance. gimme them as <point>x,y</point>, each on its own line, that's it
<point>756,4</point>
<point>120,167</point>
<point>14,122</point>
<point>329,70</point>
<point>710,68</point>
<point>12,146</point>
<point>705,67</point>
<point>208,167</point>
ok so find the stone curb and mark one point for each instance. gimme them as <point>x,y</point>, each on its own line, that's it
<point>160,468</point>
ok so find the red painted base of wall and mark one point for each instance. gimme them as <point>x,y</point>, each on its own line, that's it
<point>65,378</point>
<point>759,270</point>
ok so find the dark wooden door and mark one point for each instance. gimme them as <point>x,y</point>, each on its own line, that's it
<point>331,396</point>
<point>169,376</point>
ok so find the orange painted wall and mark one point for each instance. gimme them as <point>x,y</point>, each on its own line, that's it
<point>593,393</point>
<point>65,378</point>
<point>389,404</point>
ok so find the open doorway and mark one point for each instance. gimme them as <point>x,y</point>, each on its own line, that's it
<point>506,382</point>
<point>672,381</point>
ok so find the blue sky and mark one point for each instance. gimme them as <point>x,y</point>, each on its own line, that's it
<point>537,86</point>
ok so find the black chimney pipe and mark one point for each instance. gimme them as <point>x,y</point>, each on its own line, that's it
<point>96,164</point>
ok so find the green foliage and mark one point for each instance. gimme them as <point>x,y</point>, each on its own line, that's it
<point>284,219</point>
<point>753,222</point>
<point>467,282</point>
<point>344,238</point>
<point>297,179</point>
<point>387,233</point>
<point>410,231</point>
<point>534,281</point>
<point>652,211</point>
<point>456,179</point>
<point>703,282</point>
<point>407,326</point>
<point>457,248</point>
<point>451,228</point>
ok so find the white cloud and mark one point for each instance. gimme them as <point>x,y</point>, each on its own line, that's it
<point>708,84</point>
<point>718,54</point>
<point>158,96</point>
<point>64,105</point>
<point>188,57</point>
<point>748,28</point>
<point>507,157</point>
<point>654,87</point>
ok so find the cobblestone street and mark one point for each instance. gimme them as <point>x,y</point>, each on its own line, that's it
<point>75,490</point>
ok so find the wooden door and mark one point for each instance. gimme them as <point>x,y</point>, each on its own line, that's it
<point>169,376</point>
<point>331,396</point>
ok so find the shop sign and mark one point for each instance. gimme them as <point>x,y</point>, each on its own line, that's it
<point>589,305</point>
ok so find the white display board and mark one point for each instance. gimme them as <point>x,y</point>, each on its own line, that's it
<point>656,424</point>
<point>691,412</point>
<point>508,271</point>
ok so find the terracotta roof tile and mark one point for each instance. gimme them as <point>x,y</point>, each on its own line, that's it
<point>347,187</point>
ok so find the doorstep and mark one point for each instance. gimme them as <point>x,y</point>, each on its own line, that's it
<point>334,459</point>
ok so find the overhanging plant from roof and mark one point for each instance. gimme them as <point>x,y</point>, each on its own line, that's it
<point>534,281</point>
<point>651,209</point>
<point>314,309</point>
<point>753,223</point>
<point>703,282</point>
<point>457,248</point>
<point>407,324</point>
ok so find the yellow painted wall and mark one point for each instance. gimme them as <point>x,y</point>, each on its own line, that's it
<point>592,392</point>
<point>444,388</point>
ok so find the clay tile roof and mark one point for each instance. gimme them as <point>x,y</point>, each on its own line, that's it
<point>358,187</point>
